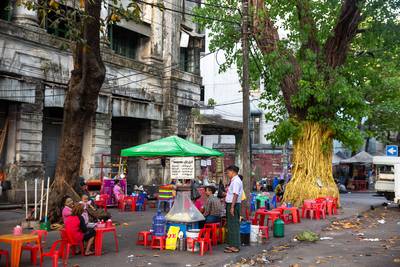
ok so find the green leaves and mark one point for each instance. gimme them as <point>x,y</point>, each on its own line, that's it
<point>364,90</point>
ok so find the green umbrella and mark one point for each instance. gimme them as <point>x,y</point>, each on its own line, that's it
<point>172,146</point>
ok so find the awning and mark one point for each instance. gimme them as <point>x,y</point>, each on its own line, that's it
<point>361,158</point>
<point>172,146</point>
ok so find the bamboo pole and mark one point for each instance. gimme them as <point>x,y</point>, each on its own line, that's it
<point>47,198</point>
<point>26,200</point>
<point>41,200</point>
<point>35,206</point>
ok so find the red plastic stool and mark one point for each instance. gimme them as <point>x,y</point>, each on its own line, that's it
<point>158,242</point>
<point>6,255</point>
<point>272,216</point>
<point>264,232</point>
<point>145,238</point>
<point>214,227</point>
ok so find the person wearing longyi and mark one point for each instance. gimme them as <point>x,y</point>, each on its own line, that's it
<point>233,199</point>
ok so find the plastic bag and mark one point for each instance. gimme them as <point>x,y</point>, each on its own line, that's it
<point>221,189</point>
<point>194,193</point>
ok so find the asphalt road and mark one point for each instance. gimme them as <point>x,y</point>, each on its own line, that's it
<point>132,255</point>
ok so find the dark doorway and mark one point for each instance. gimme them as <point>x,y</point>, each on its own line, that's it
<point>52,127</point>
<point>128,132</point>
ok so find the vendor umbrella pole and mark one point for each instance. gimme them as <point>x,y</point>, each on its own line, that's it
<point>41,200</point>
<point>26,200</point>
<point>35,205</point>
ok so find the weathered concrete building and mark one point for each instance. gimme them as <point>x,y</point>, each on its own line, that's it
<point>152,84</point>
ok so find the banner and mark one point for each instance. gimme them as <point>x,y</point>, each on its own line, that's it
<point>182,168</point>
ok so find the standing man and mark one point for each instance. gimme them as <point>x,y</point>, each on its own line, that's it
<point>233,200</point>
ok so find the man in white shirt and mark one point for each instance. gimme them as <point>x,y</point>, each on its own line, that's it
<point>233,199</point>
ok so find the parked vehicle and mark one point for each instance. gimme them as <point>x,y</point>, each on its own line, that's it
<point>388,177</point>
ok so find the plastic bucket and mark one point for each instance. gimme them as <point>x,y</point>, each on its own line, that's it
<point>254,233</point>
<point>245,239</point>
<point>245,227</point>
<point>191,235</point>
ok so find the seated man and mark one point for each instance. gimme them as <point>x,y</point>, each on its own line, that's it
<point>212,207</point>
<point>279,189</point>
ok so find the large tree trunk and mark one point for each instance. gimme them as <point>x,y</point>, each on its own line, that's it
<point>312,165</point>
<point>80,106</point>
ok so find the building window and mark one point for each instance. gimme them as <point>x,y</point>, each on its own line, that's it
<point>5,10</point>
<point>184,59</point>
<point>202,93</point>
<point>255,121</point>
<point>183,120</point>
<point>189,60</point>
<point>55,23</point>
<point>126,42</point>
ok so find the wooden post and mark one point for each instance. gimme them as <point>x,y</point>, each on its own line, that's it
<point>47,198</point>
<point>41,200</point>
<point>246,169</point>
<point>35,206</point>
<point>26,200</point>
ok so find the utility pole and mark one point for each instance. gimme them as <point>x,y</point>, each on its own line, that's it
<point>246,169</point>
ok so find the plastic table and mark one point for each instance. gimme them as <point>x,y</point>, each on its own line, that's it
<point>98,242</point>
<point>16,242</point>
<point>295,213</point>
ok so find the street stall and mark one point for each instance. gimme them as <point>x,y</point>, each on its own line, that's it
<point>182,154</point>
<point>360,166</point>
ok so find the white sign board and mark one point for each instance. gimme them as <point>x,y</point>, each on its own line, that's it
<point>182,168</point>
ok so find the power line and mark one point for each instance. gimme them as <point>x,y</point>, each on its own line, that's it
<point>185,13</point>
<point>213,5</point>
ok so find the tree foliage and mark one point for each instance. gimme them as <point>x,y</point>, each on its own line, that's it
<point>331,62</point>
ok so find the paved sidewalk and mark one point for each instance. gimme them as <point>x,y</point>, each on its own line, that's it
<point>132,255</point>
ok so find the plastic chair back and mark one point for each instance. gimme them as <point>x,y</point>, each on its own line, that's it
<point>41,233</point>
<point>204,234</point>
<point>320,200</point>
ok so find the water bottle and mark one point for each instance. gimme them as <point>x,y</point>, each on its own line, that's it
<point>159,224</point>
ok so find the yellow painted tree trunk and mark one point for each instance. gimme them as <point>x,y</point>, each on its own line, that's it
<point>312,165</point>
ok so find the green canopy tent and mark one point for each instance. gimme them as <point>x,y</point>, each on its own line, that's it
<point>172,146</point>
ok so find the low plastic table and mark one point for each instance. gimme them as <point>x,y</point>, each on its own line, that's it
<point>98,242</point>
<point>16,242</point>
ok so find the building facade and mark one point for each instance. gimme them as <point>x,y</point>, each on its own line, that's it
<point>152,85</point>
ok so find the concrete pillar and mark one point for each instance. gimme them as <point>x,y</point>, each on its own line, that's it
<point>23,16</point>
<point>157,35</point>
<point>97,141</point>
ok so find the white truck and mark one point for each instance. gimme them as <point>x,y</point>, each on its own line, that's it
<point>388,177</point>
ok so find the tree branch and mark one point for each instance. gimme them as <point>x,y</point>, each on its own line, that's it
<point>266,35</point>
<point>307,28</point>
<point>336,46</point>
<point>267,38</point>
